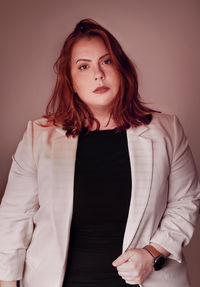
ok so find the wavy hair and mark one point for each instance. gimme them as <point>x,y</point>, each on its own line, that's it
<point>66,109</point>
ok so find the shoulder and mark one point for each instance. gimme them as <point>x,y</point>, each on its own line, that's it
<point>167,129</point>
<point>166,124</point>
<point>163,120</point>
<point>38,130</point>
<point>41,125</point>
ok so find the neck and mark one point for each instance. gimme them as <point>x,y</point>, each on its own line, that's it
<point>105,119</point>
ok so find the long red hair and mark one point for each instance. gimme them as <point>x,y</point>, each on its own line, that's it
<point>66,109</point>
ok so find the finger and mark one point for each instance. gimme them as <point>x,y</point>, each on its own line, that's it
<point>132,282</point>
<point>122,258</point>
<point>127,277</point>
<point>130,278</point>
<point>125,267</point>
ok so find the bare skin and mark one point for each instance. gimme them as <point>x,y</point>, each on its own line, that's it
<point>8,283</point>
<point>92,68</point>
<point>135,265</point>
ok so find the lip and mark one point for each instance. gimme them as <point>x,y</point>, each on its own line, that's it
<point>101,90</point>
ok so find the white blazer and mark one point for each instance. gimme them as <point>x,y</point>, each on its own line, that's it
<point>36,210</point>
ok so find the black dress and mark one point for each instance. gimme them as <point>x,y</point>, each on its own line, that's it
<point>102,191</point>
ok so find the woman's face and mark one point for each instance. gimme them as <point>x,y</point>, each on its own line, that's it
<point>94,77</point>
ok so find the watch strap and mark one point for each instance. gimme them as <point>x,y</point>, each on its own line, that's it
<point>153,251</point>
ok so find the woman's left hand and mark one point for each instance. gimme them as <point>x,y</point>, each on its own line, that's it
<point>134,266</point>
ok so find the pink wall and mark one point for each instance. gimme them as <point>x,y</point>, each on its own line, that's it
<point>162,37</point>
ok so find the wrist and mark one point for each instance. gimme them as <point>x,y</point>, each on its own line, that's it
<point>160,249</point>
<point>8,283</point>
<point>159,259</point>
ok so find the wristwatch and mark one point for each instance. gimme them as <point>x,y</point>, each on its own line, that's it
<point>159,259</point>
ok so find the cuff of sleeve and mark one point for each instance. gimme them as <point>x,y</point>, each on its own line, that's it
<point>12,265</point>
<point>169,244</point>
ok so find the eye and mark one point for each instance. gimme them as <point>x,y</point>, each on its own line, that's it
<point>83,67</point>
<point>107,61</point>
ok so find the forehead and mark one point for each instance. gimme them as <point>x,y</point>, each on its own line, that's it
<point>88,47</point>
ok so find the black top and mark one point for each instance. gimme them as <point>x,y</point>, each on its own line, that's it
<point>102,191</point>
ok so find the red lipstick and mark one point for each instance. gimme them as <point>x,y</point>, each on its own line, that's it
<point>101,90</point>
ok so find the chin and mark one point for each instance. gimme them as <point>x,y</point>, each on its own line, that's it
<point>104,102</point>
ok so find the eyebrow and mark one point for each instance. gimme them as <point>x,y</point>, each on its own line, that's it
<point>88,60</point>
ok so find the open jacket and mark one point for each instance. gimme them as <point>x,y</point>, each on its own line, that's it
<point>36,210</point>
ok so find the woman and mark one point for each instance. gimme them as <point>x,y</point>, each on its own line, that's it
<point>102,191</point>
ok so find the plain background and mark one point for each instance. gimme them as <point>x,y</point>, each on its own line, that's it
<point>160,36</point>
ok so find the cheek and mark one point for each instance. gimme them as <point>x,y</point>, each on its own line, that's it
<point>116,80</point>
<point>77,83</point>
<point>113,73</point>
<point>81,86</point>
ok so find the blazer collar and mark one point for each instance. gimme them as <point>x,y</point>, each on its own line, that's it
<point>134,131</point>
<point>61,131</point>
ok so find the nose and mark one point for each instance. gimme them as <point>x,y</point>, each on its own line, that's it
<point>99,74</point>
<point>99,77</point>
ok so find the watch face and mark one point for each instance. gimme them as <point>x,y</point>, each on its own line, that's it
<point>159,262</point>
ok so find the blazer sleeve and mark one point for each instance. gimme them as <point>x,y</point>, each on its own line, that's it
<point>18,206</point>
<point>180,217</point>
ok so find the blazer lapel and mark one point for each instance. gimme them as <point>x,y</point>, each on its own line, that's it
<point>140,153</point>
<point>63,184</point>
